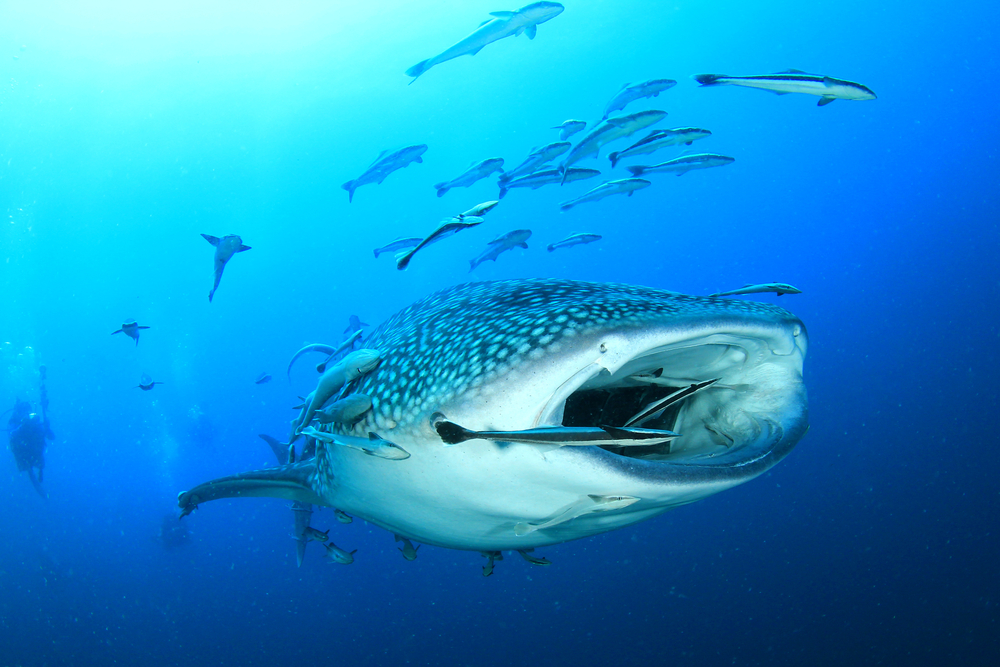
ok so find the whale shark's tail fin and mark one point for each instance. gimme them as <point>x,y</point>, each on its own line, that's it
<point>290,482</point>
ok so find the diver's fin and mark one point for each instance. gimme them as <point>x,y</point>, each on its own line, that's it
<point>290,482</point>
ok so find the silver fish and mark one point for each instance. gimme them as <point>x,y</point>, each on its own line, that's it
<point>658,139</point>
<point>478,211</point>
<point>631,92</point>
<point>794,81</point>
<point>337,555</point>
<point>347,410</point>
<point>131,329</point>
<point>622,186</point>
<point>346,370</point>
<point>444,230</point>
<point>610,130</point>
<point>476,172</point>
<point>503,24</point>
<point>408,550</point>
<point>547,177</point>
<point>525,354</point>
<point>225,248</point>
<point>373,446</point>
<point>572,240</point>
<point>501,244</point>
<point>684,164</point>
<point>342,516</point>
<point>385,164</point>
<point>535,161</point>
<point>570,127</point>
<point>558,436</point>
<point>777,288</point>
<point>397,245</point>
<point>533,559</point>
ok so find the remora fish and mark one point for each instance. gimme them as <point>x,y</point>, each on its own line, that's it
<point>608,131</point>
<point>592,503</point>
<point>570,127</point>
<point>225,248</point>
<point>538,157</point>
<point>146,383</point>
<point>658,139</point>
<point>777,288</point>
<point>500,245</point>
<point>338,555</point>
<point>547,177</point>
<point>560,436</point>
<point>263,378</point>
<point>476,172</point>
<point>346,370</point>
<point>397,245</point>
<point>446,229</point>
<point>623,186</point>
<point>385,164</point>
<point>631,92</point>
<point>373,446</point>
<point>408,550</point>
<point>131,329</point>
<point>503,24</point>
<point>794,81</point>
<point>478,211</point>
<point>347,410</point>
<point>684,164</point>
<point>572,240</point>
<point>523,354</point>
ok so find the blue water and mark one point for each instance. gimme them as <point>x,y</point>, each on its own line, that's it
<point>126,131</point>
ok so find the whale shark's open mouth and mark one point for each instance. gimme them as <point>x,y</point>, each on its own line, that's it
<point>726,395</point>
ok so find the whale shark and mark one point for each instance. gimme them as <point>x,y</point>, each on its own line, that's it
<point>551,356</point>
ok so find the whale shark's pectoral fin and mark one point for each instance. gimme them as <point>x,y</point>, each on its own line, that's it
<point>290,482</point>
<point>214,240</point>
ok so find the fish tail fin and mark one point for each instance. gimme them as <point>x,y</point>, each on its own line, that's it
<point>417,70</point>
<point>503,190</point>
<point>441,188</point>
<point>403,259</point>
<point>472,265</point>
<point>376,253</point>
<point>565,207</point>
<point>708,79</point>
<point>636,170</point>
<point>350,187</point>
<point>614,158</point>
<point>550,248</point>
<point>565,173</point>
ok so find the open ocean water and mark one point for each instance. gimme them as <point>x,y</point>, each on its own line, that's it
<point>129,129</point>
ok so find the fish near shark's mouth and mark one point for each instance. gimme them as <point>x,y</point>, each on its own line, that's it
<point>734,394</point>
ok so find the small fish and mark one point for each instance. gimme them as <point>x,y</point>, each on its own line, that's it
<point>478,211</point>
<point>532,559</point>
<point>684,164</point>
<point>794,81</point>
<point>547,177</point>
<point>623,186</point>
<point>631,92</point>
<point>476,172</point>
<point>658,139</point>
<point>491,556</point>
<point>504,24</point>
<point>444,230</point>
<point>385,164</point>
<point>263,378</point>
<point>337,555</point>
<point>408,551</point>
<point>570,127</point>
<point>560,436</point>
<point>500,245</point>
<point>342,516</point>
<point>574,239</point>
<point>349,368</point>
<point>225,248</point>
<point>131,329</point>
<point>536,160</point>
<point>146,383</point>
<point>373,446</point>
<point>347,410</point>
<point>349,343</point>
<point>397,245</point>
<point>587,505</point>
<point>657,407</point>
<point>777,288</point>
<point>354,323</point>
<point>311,533</point>
<point>609,130</point>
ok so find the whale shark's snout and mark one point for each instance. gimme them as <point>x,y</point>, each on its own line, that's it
<point>571,409</point>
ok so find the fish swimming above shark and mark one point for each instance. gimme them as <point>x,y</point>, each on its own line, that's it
<point>572,240</point>
<point>385,164</point>
<point>623,186</point>
<point>444,230</point>
<point>684,164</point>
<point>535,161</point>
<point>552,357</point>
<point>225,248</point>
<point>610,130</point>
<point>794,81</point>
<point>503,24</point>
<point>569,127</point>
<point>501,244</point>
<point>658,139</point>
<point>631,92</point>
<point>547,177</point>
<point>778,288</point>
<point>476,172</point>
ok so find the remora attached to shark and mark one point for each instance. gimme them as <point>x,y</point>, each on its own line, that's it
<point>527,354</point>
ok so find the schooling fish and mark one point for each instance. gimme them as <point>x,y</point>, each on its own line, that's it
<point>608,131</point>
<point>503,24</point>
<point>478,211</point>
<point>794,81</point>
<point>777,288</point>
<point>547,177</point>
<point>632,92</point>
<point>500,245</point>
<point>385,164</point>
<point>658,139</point>
<point>570,127</point>
<point>131,329</point>
<point>517,355</point>
<point>446,229</point>
<point>534,162</point>
<point>684,164</point>
<point>476,172</point>
<point>225,248</point>
<point>572,240</point>
<point>623,186</point>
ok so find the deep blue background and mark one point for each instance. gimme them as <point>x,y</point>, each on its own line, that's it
<point>127,131</point>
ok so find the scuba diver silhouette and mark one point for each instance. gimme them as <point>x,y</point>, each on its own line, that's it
<point>27,432</point>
